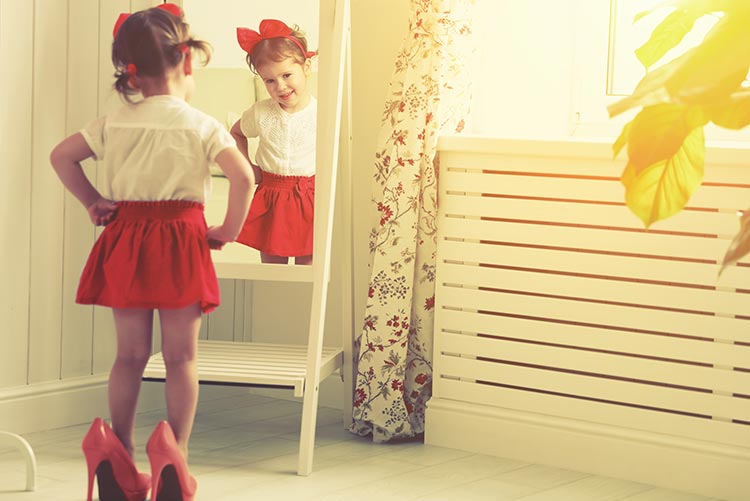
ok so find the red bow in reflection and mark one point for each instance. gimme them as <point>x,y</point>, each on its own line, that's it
<point>169,7</point>
<point>269,28</point>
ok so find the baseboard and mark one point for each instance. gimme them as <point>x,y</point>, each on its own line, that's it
<point>57,404</point>
<point>692,466</point>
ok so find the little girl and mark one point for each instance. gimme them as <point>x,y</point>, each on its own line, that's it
<point>154,157</point>
<point>280,221</point>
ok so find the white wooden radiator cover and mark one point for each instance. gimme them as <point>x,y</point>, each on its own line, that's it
<point>568,334</point>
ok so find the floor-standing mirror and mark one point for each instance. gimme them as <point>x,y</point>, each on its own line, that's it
<point>224,89</point>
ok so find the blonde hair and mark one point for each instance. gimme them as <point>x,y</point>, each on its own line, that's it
<point>278,49</point>
<point>153,41</point>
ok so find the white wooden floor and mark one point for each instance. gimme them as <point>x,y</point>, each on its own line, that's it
<point>245,447</point>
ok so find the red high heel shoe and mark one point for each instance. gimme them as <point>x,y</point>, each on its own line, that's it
<point>107,459</point>
<point>169,472</point>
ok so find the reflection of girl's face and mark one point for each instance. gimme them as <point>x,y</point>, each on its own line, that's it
<point>286,82</point>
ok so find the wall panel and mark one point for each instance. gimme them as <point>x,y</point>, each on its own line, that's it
<point>104,340</point>
<point>16,52</point>
<point>79,233</point>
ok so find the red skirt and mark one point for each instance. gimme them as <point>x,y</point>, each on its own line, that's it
<point>280,220</point>
<point>152,255</point>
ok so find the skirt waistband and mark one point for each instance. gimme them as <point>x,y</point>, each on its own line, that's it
<point>161,209</point>
<point>270,180</point>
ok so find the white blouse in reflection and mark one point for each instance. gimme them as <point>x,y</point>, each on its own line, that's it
<point>158,149</point>
<point>286,141</point>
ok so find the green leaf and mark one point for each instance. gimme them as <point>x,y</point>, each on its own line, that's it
<point>731,113</point>
<point>658,132</point>
<point>621,140</point>
<point>666,36</point>
<point>740,245</point>
<point>664,188</point>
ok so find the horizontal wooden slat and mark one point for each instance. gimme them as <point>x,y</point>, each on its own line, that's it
<point>605,364</point>
<point>593,338</point>
<point>727,162</point>
<point>699,222</point>
<point>595,239</point>
<point>707,430</point>
<point>631,393</point>
<point>627,267</point>
<point>252,364</point>
<point>597,289</point>
<point>581,188</point>
<point>232,263</point>
<point>602,190</point>
<point>728,329</point>
<point>723,165</point>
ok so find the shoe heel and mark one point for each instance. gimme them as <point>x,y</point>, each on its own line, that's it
<point>94,452</point>
<point>90,489</point>
<point>168,463</point>
<point>107,460</point>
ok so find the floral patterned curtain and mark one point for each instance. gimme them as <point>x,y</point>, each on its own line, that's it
<point>429,95</point>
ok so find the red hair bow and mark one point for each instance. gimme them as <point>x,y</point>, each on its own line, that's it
<point>169,7</point>
<point>269,28</point>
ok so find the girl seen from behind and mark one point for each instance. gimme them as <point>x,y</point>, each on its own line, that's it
<point>154,253</point>
<point>280,221</point>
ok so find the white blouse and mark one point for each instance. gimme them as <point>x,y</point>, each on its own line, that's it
<point>158,149</point>
<point>286,143</point>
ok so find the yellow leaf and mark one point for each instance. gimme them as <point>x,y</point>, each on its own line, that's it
<point>658,132</point>
<point>699,6</point>
<point>621,140</point>
<point>740,245</point>
<point>650,90</point>
<point>664,188</point>
<point>717,66</point>
<point>733,112</point>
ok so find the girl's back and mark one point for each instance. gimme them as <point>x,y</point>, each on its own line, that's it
<point>158,149</point>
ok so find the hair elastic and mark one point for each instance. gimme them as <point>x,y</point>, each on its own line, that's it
<point>185,49</point>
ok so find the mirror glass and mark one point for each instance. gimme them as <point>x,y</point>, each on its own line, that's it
<point>226,87</point>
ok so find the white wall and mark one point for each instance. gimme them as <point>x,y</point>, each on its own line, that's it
<point>215,22</point>
<point>378,29</point>
<point>524,67</point>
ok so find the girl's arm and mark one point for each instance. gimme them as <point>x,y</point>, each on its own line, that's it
<point>66,159</point>
<point>241,140</point>
<point>241,184</point>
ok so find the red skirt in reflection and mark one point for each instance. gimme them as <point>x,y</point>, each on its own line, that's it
<point>280,220</point>
<point>152,255</point>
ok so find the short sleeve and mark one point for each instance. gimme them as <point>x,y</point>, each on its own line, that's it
<point>93,134</point>
<point>217,139</point>
<point>249,122</point>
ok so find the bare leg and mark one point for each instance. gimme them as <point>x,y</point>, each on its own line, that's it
<point>134,327</point>
<point>269,258</point>
<point>303,259</point>
<point>179,334</point>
